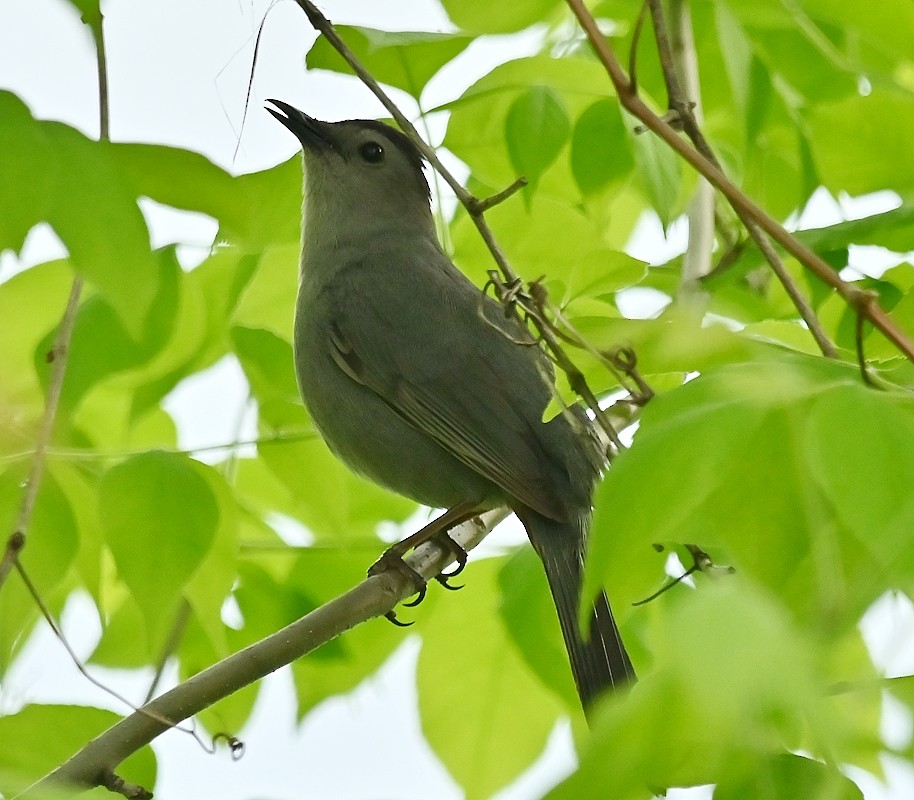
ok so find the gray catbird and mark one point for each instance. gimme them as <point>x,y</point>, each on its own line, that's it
<point>419,383</point>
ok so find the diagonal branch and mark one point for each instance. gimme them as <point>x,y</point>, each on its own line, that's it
<point>677,55</point>
<point>747,209</point>
<point>373,597</point>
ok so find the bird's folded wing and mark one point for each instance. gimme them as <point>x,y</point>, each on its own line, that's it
<point>453,376</point>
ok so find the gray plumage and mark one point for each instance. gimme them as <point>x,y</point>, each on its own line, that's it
<point>419,384</point>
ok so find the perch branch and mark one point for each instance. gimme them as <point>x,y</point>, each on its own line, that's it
<point>373,597</point>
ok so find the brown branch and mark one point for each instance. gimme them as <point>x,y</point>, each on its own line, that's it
<point>373,597</point>
<point>744,207</point>
<point>686,108</point>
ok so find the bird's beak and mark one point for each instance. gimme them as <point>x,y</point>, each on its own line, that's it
<point>312,133</point>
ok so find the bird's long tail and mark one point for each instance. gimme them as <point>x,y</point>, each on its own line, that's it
<point>598,659</point>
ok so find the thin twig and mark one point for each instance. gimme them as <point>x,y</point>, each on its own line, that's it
<point>744,207</point>
<point>373,597</point>
<point>499,197</point>
<point>115,783</point>
<point>58,354</point>
<point>826,346</point>
<point>77,454</point>
<point>58,632</point>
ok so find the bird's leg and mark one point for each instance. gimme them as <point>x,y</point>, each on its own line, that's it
<point>392,558</point>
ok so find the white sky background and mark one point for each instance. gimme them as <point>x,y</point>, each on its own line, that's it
<point>178,75</point>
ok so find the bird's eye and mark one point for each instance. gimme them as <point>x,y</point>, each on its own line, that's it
<point>372,152</point>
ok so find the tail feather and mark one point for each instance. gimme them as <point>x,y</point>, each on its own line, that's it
<point>599,662</point>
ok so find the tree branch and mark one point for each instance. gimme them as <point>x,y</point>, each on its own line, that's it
<point>679,59</point>
<point>373,597</point>
<point>744,207</point>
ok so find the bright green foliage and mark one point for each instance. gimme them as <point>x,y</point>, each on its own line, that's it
<point>405,60</point>
<point>781,464</point>
<point>38,738</point>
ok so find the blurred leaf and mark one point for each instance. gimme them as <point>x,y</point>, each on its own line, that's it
<point>214,577</point>
<point>766,461</point>
<point>660,170</point>
<point>254,211</point>
<point>734,683</point>
<point>268,299</point>
<point>159,518</point>
<point>529,616</point>
<point>600,151</point>
<point>846,134</point>
<point>35,299</point>
<point>341,665</point>
<point>84,194</point>
<point>786,776</point>
<point>486,716</point>
<point>29,753</point>
<point>404,59</point>
<point>536,129</point>
<point>479,16</point>
<point>52,540</point>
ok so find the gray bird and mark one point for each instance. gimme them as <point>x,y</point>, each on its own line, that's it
<point>418,382</point>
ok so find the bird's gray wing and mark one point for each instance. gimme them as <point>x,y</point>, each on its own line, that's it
<point>429,354</point>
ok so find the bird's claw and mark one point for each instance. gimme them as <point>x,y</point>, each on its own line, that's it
<point>420,596</point>
<point>391,616</point>
<point>392,560</point>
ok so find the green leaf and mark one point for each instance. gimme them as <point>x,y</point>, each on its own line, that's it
<point>88,9</point>
<point>479,16</point>
<point>253,211</point>
<point>568,248</point>
<point>600,149</point>
<point>660,170</point>
<point>83,193</point>
<point>404,59</point>
<point>214,577</point>
<point>753,470</point>
<point>339,666</point>
<point>268,364</point>
<point>102,345</point>
<point>159,518</point>
<point>536,129</point>
<point>268,299</point>
<point>529,616</point>
<point>29,753</point>
<point>478,121</point>
<point>35,299</point>
<point>673,729</point>
<point>490,718</point>
<point>846,134</point>
<point>328,498</point>
<point>786,776</point>
<point>52,541</point>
